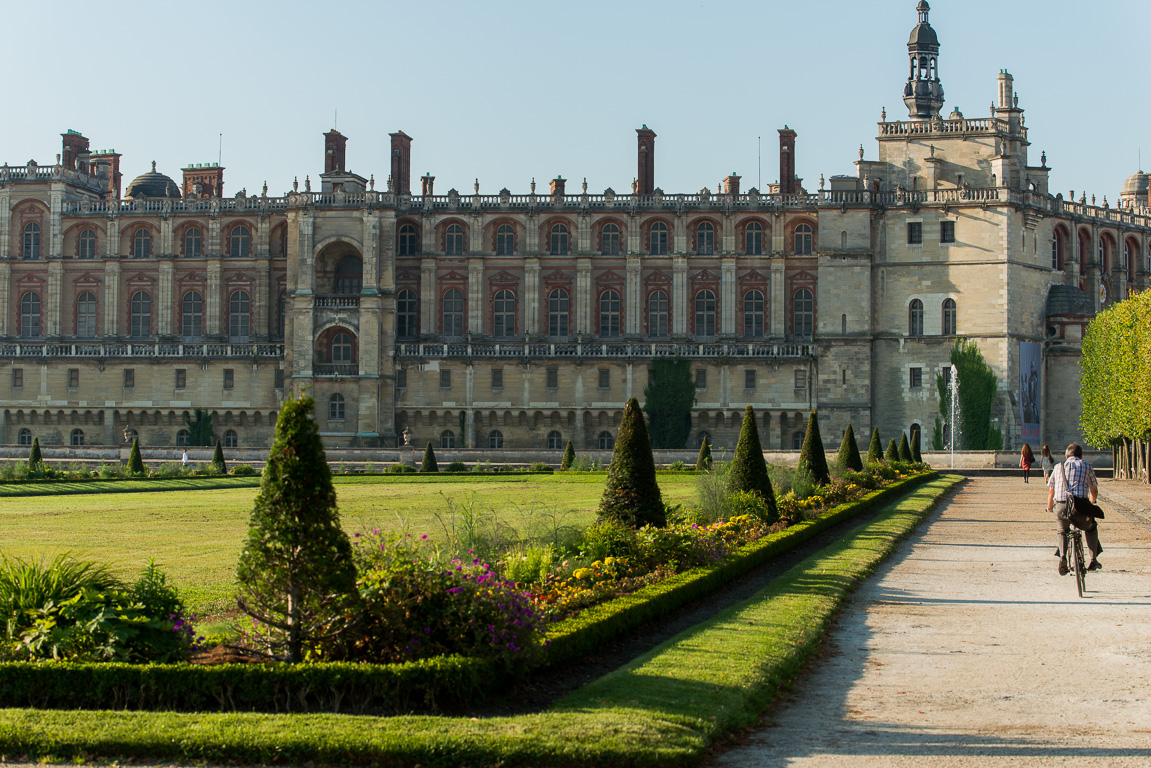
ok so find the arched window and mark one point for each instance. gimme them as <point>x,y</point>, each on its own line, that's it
<point>949,317</point>
<point>336,407</point>
<point>657,314</point>
<point>915,318</point>
<point>447,439</point>
<point>658,239</point>
<point>705,239</point>
<point>342,348</point>
<point>753,239</point>
<point>192,316</point>
<point>796,440</point>
<point>349,278</point>
<point>803,240</point>
<point>141,244</point>
<point>705,313</point>
<point>32,241</point>
<point>182,438</point>
<point>914,431</point>
<point>86,245</point>
<point>453,314</point>
<point>24,437</point>
<point>240,243</point>
<point>555,440</point>
<point>407,313</point>
<point>454,240</point>
<point>606,441</point>
<point>802,313</point>
<point>609,314</point>
<point>1128,261</point>
<point>193,243</point>
<point>559,309</point>
<point>504,314</point>
<point>231,439</point>
<point>753,314</point>
<point>86,315</point>
<point>609,240</point>
<point>495,439</point>
<point>239,316</point>
<point>1104,254</point>
<point>505,240</point>
<point>408,241</point>
<point>77,437</point>
<point>141,315</point>
<point>1057,249</point>
<point>559,240</point>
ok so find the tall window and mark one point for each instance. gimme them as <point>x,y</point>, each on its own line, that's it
<point>949,317</point>
<point>193,242</point>
<point>915,318</point>
<point>141,315</point>
<point>192,311</point>
<point>658,239</point>
<point>1056,247</point>
<point>182,438</point>
<point>559,308</point>
<point>406,314</point>
<point>231,439</point>
<point>282,305</point>
<point>802,313</point>
<point>504,315</point>
<point>705,313</point>
<point>349,278</point>
<point>657,314</point>
<point>609,314</point>
<point>609,240</point>
<point>336,407</point>
<point>32,241</point>
<point>705,238</point>
<point>495,439</point>
<point>77,437</point>
<point>447,439</point>
<point>239,316</point>
<point>86,315</point>
<point>453,314</point>
<point>914,232</point>
<point>753,239</point>
<point>753,314</point>
<point>505,240</point>
<point>141,244</point>
<point>606,441</point>
<point>25,437</point>
<point>30,316</point>
<point>803,240</point>
<point>454,240</point>
<point>559,240</point>
<point>408,243</point>
<point>555,440</point>
<point>342,348</point>
<point>86,245</point>
<point>1104,253</point>
<point>240,242</point>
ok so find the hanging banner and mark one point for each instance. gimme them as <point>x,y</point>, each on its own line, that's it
<point>1030,372</point>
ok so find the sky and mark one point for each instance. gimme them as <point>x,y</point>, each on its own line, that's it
<point>505,91</point>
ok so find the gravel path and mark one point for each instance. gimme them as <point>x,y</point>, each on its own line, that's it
<point>968,649</point>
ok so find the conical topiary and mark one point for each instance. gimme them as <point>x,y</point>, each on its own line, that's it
<point>135,462</point>
<point>429,463</point>
<point>916,455</point>
<point>632,495</point>
<point>703,461</point>
<point>217,466</point>
<point>875,450</point>
<point>748,470</point>
<point>811,455</point>
<point>892,451</point>
<point>35,458</point>
<point>849,451</point>
<point>904,449</point>
<point>569,456</point>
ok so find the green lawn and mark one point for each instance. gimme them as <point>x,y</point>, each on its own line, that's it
<point>196,535</point>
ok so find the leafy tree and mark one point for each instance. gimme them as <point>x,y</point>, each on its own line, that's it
<point>632,495</point>
<point>811,455</point>
<point>199,427</point>
<point>977,384</point>
<point>703,461</point>
<point>429,463</point>
<point>748,470</point>
<point>994,439</point>
<point>296,566</point>
<point>904,449</point>
<point>135,462</point>
<point>35,458</point>
<point>916,455</point>
<point>937,436</point>
<point>849,451</point>
<point>892,451</point>
<point>217,466</point>
<point>875,450</point>
<point>569,456</point>
<point>667,401</point>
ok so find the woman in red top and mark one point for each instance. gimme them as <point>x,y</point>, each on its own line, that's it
<point>1026,459</point>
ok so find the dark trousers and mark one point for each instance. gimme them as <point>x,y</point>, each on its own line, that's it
<point>1083,522</point>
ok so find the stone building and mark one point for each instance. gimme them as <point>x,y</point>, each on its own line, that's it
<point>521,321</point>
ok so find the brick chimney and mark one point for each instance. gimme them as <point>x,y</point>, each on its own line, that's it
<point>787,185</point>
<point>110,159</point>
<point>402,163</point>
<point>208,176</point>
<point>646,150</point>
<point>74,145</point>
<point>334,147</point>
<point>731,184</point>
<point>427,184</point>
<point>558,184</point>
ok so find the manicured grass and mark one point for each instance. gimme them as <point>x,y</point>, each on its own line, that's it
<point>664,708</point>
<point>127,485</point>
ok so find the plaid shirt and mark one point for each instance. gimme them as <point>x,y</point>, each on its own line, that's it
<point>1079,474</point>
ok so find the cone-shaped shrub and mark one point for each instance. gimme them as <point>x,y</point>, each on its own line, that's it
<point>875,450</point>
<point>748,470</point>
<point>429,463</point>
<point>217,466</point>
<point>135,462</point>
<point>35,458</point>
<point>904,449</point>
<point>569,456</point>
<point>811,455</point>
<point>892,451</point>
<point>296,566</point>
<point>703,461</point>
<point>916,455</point>
<point>849,451</point>
<point>632,495</point>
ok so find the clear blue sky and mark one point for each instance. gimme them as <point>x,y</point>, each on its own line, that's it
<point>507,91</point>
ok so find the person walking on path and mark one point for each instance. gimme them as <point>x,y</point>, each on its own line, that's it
<point>1026,459</point>
<point>1074,478</point>
<point>184,458</point>
<point>1047,463</point>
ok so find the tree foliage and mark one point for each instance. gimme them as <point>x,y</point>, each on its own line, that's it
<point>916,454</point>
<point>631,495</point>
<point>217,465</point>
<point>748,470</point>
<point>35,458</point>
<point>569,456</point>
<point>667,401</point>
<point>1115,374</point>
<point>849,452</point>
<point>296,566</point>
<point>703,461</point>
<point>199,427</point>
<point>875,449</point>
<point>977,383</point>
<point>811,455</point>
<point>892,453</point>
<point>135,461</point>
<point>429,464</point>
<point>904,448</point>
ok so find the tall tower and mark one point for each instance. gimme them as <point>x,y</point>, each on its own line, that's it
<point>923,93</point>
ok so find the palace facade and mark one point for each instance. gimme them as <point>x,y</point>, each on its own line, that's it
<point>516,320</point>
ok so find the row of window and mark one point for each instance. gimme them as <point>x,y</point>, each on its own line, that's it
<point>551,381</point>
<point>915,232</point>
<point>229,380</point>
<point>230,438</point>
<point>555,442</point>
<point>239,242</point>
<point>915,317</point>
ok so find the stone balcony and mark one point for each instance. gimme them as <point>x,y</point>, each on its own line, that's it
<point>102,350</point>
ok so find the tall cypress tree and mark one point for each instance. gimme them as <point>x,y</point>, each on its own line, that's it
<point>667,401</point>
<point>429,464</point>
<point>631,495</point>
<point>217,465</point>
<point>875,450</point>
<point>569,456</point>
<point>35,458</point>
<point>892,451</point>
<point>748,470</point>
<point>811,455</point>
<point>904,449</point>
<point>916,455</point>
<point>703,461</point>
<point>849,451</point>
<point>135,462</point>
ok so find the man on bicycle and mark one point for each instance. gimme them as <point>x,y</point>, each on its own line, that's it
<point>1074,477</point>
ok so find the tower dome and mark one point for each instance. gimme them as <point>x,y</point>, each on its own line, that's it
<point>923,93</point>
<point>1135,189</point>
<point>152,184</point>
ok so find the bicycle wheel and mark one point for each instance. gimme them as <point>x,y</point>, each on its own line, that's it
<point>1077,563</point>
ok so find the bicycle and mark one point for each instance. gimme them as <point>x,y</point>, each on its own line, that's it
<point>1074,554</point>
